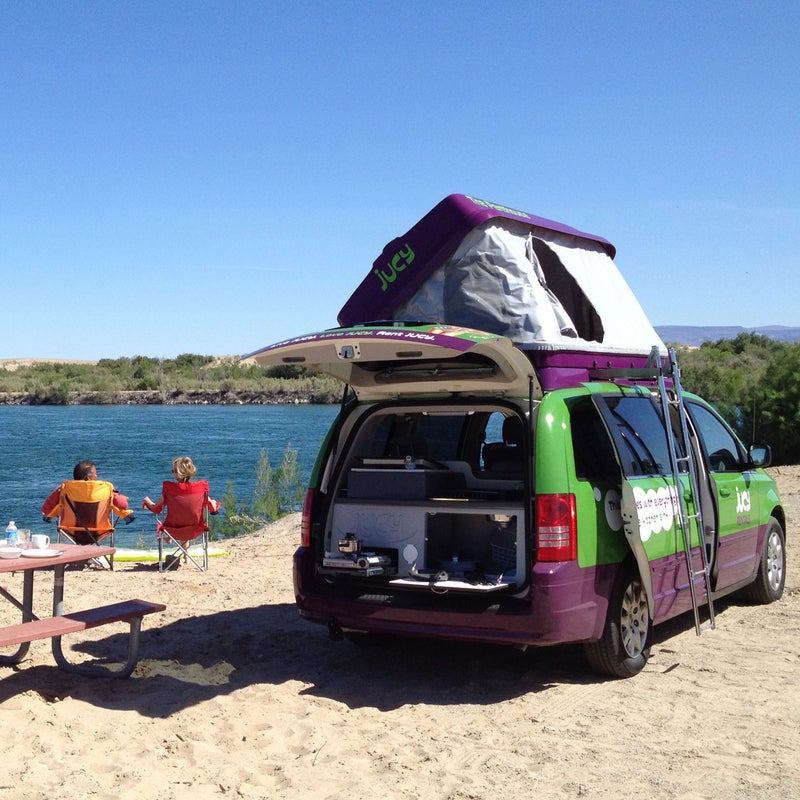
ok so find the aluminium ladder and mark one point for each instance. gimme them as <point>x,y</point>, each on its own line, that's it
<point>674,399</point>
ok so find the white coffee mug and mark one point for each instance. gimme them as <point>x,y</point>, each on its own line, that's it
<point>40,541</point>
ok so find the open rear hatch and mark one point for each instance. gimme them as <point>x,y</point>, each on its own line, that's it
<point>387,360</point>
<point>397,519</point>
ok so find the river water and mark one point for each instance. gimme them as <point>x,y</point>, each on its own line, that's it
<point>133,447</point>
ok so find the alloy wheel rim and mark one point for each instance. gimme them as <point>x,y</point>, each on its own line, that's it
<point>774,561</point>
<point>634,620</point>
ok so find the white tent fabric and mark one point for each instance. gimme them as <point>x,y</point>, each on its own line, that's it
<point>543,289</point>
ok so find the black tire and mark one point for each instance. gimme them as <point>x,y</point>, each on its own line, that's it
<point>771,575</point>
<point>624,647</point>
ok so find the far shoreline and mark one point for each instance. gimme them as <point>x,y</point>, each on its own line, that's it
<point>160,397</point>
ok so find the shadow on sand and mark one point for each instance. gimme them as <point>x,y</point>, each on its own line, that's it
<point>197,658</point>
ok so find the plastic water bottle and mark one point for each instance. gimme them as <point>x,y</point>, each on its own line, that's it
<point>12,535</point>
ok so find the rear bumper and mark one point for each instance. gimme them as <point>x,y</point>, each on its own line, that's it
<point>565,603</point>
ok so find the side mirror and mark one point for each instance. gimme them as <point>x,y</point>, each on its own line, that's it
<point>760,455</point>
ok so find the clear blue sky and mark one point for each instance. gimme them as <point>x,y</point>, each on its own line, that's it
<point>210,177</point>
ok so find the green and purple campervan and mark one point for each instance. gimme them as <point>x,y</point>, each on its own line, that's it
<point>514,460</point>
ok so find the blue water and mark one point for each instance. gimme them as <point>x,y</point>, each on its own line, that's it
<point>133,447</point>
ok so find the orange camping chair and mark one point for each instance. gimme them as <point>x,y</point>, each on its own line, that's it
<point>186,521</point>
<point>87,514</point>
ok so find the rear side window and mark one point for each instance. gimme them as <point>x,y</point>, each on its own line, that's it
<point>591,445</point>
<point>636,427</point>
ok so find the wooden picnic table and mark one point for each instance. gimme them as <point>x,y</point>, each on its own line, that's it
<point>32,627</point>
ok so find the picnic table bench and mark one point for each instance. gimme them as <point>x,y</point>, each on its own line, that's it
<point>32,628</point>
<point>131,611</point>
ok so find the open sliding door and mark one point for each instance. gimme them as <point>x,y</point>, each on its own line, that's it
<point>649,500</point>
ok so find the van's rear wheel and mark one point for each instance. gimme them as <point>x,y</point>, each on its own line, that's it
<point>624,647</point>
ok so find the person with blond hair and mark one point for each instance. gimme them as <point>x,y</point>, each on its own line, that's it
<point>184,470</point>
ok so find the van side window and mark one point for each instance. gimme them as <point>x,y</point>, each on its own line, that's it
<point>721,448</point>
<point>592,449</point>
<point>636,426</point>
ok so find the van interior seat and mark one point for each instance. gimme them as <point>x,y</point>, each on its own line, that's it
<point>414,446</point>
<point>507,456</point>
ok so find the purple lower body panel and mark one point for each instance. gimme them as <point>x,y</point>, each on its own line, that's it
<point>565,603</point>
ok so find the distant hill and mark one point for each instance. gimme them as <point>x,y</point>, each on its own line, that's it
<point>695,335</point>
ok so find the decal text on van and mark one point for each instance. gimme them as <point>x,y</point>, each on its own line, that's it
<point>400,260</point>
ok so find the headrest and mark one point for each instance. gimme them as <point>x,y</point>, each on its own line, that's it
<point>513,431</point>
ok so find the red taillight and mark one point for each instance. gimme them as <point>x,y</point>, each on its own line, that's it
<point>556,527</point>
<point>305,519</point>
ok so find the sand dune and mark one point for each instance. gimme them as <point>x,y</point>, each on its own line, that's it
<point>12,364</point>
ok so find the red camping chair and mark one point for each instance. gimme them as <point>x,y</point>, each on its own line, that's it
<point>187,506</point>
<point>87,514</point>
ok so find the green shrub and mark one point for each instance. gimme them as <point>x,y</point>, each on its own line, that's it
<point>277,493</point>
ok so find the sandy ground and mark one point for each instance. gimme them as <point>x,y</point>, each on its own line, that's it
<point>235,697</point>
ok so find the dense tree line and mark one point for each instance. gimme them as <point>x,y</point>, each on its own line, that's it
<point>754,382</point>
<point>187,375</point>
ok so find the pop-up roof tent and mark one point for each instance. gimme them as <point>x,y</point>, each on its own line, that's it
<point>553,290</point>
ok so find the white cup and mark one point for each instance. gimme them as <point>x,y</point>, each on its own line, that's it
<point>40,541</point>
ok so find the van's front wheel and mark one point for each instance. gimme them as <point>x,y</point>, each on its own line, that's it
<point>771,575</point>
<point>624,647</point>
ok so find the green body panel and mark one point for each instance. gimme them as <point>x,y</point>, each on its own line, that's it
<point>601,539</point>
<point>739,506</point>
<point>554,472</point>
